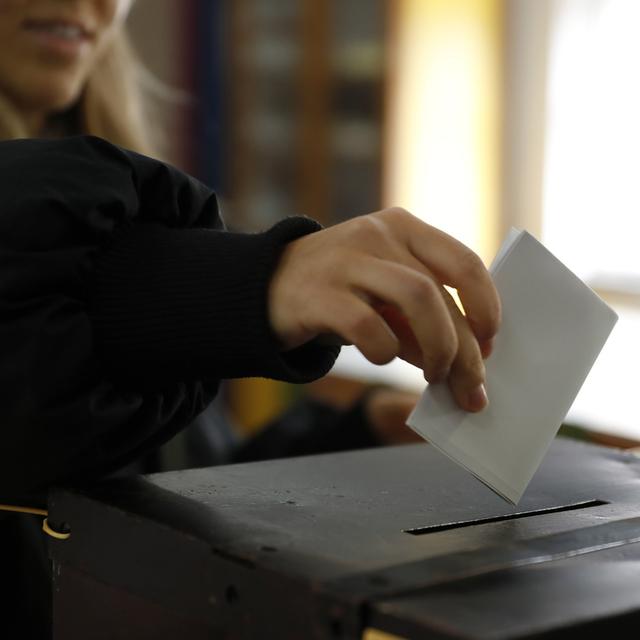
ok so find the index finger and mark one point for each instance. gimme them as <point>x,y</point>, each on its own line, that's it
<point>457,266</point>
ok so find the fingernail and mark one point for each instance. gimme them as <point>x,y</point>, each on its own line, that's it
<point>477,399</point>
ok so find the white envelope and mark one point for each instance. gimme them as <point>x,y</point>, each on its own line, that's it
<point>553,328</point>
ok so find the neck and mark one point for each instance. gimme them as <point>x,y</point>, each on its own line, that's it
<point>35,123</point>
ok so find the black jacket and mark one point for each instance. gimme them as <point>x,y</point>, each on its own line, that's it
<point>123,302</point>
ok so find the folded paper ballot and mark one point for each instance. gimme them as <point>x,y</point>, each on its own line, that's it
<point>553,328</point>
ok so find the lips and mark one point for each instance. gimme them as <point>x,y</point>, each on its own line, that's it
<point>59,39</point>
<point>59,28</point>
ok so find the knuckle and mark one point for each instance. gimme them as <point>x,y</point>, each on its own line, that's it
<point>472,368</point>
<point>471,266</point>
<point>449,350</point>
<point>485,324</point>
<point>360,324</point>
<point>443,355</point>
<point>423,289</point>
<point>397,217</point>
<point>396,212</point>
<point>368,230</point>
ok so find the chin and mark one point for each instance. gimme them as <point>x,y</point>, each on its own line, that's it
<point>55,98</point>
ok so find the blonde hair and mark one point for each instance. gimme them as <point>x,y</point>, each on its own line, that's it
<point>113,105</point>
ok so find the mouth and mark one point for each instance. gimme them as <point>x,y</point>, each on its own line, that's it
<point>65,30</point>
<point>60,39</point>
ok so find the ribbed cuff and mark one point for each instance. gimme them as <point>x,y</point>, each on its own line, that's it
<point>182,304</point>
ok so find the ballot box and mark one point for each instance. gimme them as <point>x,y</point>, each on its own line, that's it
<point>382,543</point>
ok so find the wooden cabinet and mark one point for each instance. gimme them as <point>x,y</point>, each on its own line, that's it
<point>305,106</point>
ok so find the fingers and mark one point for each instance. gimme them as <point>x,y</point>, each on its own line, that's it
<point>419,300</point>
<point>467,375</point>
<point>357,323</point>
<point>409,347</point>
<point>457,266</point>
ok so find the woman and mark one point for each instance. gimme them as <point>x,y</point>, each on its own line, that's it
<point>66,67</point>
<point>119,305</point>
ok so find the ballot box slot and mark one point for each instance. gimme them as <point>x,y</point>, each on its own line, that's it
<point>406,578</point>
<point>445,526</point>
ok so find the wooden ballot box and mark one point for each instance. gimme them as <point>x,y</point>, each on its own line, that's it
<point>390,542</point>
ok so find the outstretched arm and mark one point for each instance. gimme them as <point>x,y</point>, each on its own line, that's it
<point>377,281</point>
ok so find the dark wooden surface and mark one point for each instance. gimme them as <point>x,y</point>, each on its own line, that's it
<point>320,547</point>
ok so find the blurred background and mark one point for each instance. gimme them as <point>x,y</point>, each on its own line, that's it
<point>476,115</point>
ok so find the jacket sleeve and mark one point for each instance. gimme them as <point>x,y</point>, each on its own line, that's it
<point>123,301</point>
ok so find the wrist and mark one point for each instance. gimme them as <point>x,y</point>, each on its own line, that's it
<point>283,291</point>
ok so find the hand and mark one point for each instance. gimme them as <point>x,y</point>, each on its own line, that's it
<point>376,281</point>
